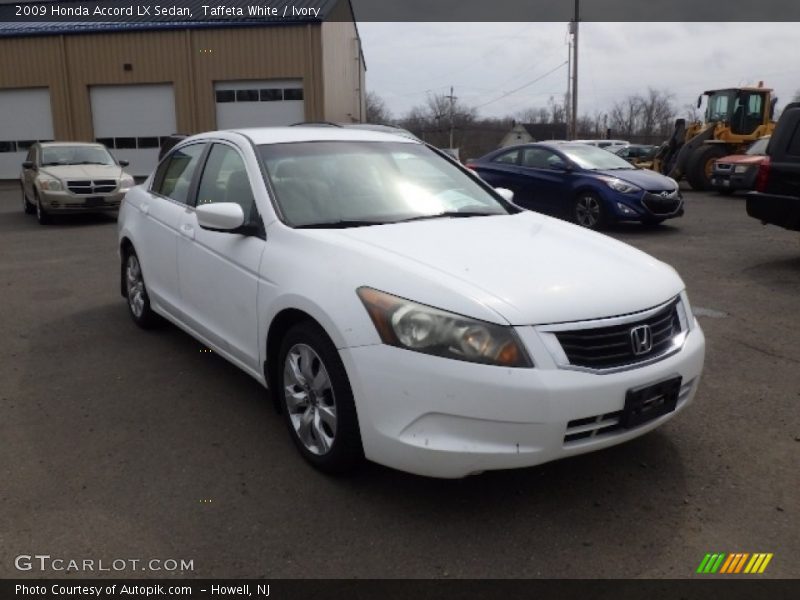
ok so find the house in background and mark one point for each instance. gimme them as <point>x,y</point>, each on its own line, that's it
<point>128,84</point>
<point>524,133</point>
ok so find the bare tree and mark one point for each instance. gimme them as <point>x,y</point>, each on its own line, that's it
<point>377,111</point>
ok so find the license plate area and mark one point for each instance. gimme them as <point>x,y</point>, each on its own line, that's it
<point>649,402</point>
<point>95,201</point>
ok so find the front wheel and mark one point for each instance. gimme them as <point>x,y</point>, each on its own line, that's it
<point>41,214</point>
<point>589,211</point>
<point>318,403</point>
<point>26,206</point>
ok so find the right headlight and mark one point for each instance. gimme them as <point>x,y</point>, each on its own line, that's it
<point>51,185</point>
<point>429,330</point>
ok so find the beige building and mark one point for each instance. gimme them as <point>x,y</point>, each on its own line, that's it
<point>129,84</point>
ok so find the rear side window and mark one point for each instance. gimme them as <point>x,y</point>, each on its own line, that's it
<point>509,158</point>
<point>174,175</point>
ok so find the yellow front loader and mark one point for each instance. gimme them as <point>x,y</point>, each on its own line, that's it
<point>734,118</point>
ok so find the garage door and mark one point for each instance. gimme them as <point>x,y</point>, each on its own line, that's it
<point>25,118</point>
<point>131,120</point>
<point>259,103</point>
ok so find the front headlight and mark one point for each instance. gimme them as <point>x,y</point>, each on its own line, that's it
<point>126,182</point>
<point>685,314</point>
<point>621,186</point>
<point>739,169</point>
<point>51,185</point>
<point>406,324</point>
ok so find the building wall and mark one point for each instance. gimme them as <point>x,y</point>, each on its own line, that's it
<point>191,59</point>
<point>343,67</point>
<point>38,62</point>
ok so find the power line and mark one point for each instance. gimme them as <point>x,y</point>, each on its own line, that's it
<point>522,87</point>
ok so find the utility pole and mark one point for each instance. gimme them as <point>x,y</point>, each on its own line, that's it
<point>574,31</point>
<point>452,99</point>
<point>568,96</point>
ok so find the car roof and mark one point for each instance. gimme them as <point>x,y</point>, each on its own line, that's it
<point>69,144</point>
<point>310,133</point>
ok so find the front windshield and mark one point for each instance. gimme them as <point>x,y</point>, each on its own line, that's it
<point>593,158</point>
<point>75,155</point>
<point>345,183</point>
<point>758,148</point>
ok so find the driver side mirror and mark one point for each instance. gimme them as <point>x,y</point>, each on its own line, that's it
<point>220,216</point>
<point>505,194</point>
<point>561,166</point>
<point>123,163</point>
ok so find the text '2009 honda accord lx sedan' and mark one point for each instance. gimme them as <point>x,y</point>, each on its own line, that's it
<point>399,308</point>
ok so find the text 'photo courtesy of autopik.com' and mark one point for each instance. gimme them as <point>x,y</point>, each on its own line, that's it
<point>320,299</point>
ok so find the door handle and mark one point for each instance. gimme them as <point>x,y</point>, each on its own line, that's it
<point>187,231</point>
<point>145,208</point>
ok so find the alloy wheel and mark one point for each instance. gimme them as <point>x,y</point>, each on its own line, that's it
<point>587,211</point>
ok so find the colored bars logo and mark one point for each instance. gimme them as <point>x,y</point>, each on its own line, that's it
<point>729,564</point>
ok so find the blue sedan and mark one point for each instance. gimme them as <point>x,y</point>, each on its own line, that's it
<point>581,183</point>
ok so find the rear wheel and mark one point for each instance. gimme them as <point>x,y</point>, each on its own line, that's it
<point>589,211</point>
<point>318,403</point>
<point>26,206</point>
<point>701,165</point>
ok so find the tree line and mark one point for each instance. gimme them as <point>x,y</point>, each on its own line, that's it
<point>648,118</point>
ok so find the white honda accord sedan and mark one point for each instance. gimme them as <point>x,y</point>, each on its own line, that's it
<point>400,309</point>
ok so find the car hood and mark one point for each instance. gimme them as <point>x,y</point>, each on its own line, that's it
<point>644,178</point>
<point>82,171</point>
<point>742,159</point>
<point>525,268</point>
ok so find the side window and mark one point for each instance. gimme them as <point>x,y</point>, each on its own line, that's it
<point>174,175</point>
<point>225,180</point>
<point>541,158</point>
<point>509,158</point>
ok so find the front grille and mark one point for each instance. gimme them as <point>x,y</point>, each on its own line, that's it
<point>659,204</point>
<point>87,186</point>
<point>602,425</point>
<point>609,347</point>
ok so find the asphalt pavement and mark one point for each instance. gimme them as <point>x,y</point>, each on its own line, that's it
<point>117,443</point>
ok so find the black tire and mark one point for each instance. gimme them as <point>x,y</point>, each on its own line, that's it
<point>42,215</point>
<point>701,163</point>
<point>340,452</point>
<point>588,211</point>
<point>136,292</point>
<point>26,205</point>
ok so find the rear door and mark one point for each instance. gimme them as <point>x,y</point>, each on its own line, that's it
<point>218,271</point>
<point>163,206</point>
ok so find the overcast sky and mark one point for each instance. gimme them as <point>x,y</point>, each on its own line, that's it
<point>483,61</point>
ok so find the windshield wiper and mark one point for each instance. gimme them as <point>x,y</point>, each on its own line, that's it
<point>343,224</point>
<point>455,214</point>
<point>90,162</point>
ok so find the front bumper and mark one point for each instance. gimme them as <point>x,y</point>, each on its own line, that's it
<point>65,201</point>
<point>646,206</point>
<point>445,418</point>
<point>730,180</point>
